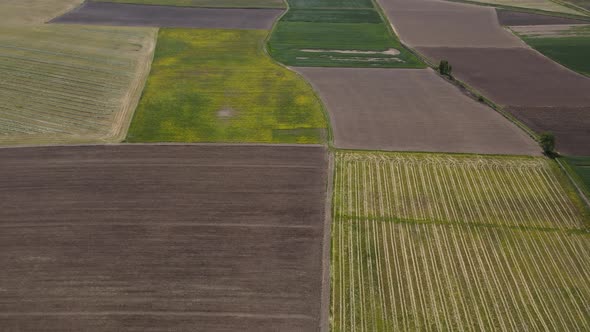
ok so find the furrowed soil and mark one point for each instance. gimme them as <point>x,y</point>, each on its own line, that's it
<point>512,18</point>
<point>206,3</point>
<point>170,16</point>
<point>411,110</point>
<point>445,24</point>
<point>432,241</point>
<point>141,237</point>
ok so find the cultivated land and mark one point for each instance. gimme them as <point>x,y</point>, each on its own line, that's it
<point>220,86</point>
<point>539,5</point>
<point>445,24</point>
<point>33,12</point>
<point>339,34</point>
<point>568,45</point>
<point>411,110</point>
<point>207,3</point>
<point>162,237</point>
<point>513,18</point>
<point>581,166</point>
<point>62,84</point>
<point>170,16</point>
<point>424,241</point>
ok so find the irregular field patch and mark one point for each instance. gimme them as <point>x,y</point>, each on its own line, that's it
<point>33,12</point>
<point>411,110</point>
<point>330,31</point>
<point>446,24</point>
<point>169,16</point>
<point>64,84</point>
<point>455,242</point>
<point>542,5</point>
<point>581,166</point>
<point>141,237</point>
<point>206,3</point>
<point>219,86</point>
<point>514,18</point>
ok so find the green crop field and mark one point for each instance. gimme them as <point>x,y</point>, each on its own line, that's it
<point>337,37</point>
<point>571,48</point>
<point>64,83</point>
<point>581,167</point>
<point>207,3</point>
<point>535,5</point>
<point>453,242</point>
<point>220,86</point>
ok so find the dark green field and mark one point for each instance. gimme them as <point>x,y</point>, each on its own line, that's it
<point>337,37</point>
<point>572,52</point>
<point>581,166</point>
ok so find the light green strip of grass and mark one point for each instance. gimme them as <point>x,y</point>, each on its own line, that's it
<point>206,3</point>
<point>581,168</point>
<point>220,86</point>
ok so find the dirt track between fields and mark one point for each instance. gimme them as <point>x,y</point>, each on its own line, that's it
<point>512,18</point>
<point>116,14</point>
<point>435,23</point>
<point>411,110</point>
<point>145,238</point>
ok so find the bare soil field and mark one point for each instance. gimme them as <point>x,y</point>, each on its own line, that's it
<point>166,237</point>
<point>516,77</point>
<point>571,126</point>
<point>513,18</point>
<point>446,24</point>
<point>411,110</point>
<point>169,16</point>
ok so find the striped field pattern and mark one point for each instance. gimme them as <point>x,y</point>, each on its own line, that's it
<point>444,266</point>
<point>70,83</point>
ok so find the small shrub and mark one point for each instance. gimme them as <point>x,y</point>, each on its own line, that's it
<point>547,142</point>
<point>444,68</point>
<point>480,99</point>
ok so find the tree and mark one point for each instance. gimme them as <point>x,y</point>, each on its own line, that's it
<point>444,68</point>
<point>547,142</point>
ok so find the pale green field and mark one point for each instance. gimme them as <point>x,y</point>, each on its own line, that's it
<point>33,12</point>
<point>544,5</point>
<point>456,243</point>
<point>207,3</point>
<point>67,83</point>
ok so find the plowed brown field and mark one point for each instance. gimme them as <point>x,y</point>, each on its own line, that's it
<point>145,238</point>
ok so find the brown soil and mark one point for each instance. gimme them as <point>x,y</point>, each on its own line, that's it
<point>411,110</point>
<point>512,18</point>
<point>164,237</point>
<point>446,24</point>
<point>105,13</point>
<point>571,126</point>
<point>517,77</point>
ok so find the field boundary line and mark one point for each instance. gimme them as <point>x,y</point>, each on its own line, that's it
<point>525,10</point>
<point>579,190</point>
<point>324,321</point>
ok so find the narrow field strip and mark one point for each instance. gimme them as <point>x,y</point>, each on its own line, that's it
<point>70,83</point>
<point>502,191</point>
<point>399,276</point>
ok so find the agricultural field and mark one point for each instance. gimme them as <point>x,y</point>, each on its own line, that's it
<point>120,14</point>
<point>584,4</point>
<point>66,84</point>
<point>411,110</point>
<point>514,18</point>
<point>337,34</point>
<point>433,23</point>
<point>567,44</point>
<point>33,12</point>
<point>456,242</point>
<point>206,3</point>
<point>535,5</point>
<point>220,86</point>
<point>162,237</point>
<point>581,167</point>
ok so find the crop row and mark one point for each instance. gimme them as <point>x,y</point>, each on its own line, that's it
<point>522,192</point>
<point>389,276</point>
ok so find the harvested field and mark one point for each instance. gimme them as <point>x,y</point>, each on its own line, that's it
<point>64,84</point>
<point>512,18</point>
<point>571,126</point>
<point>445,24</point>
<point>140,237</point>
<point>33,12</point>
<point>411,110</point>
<point>442,242</point>
<point>206,3</point>
<point>535,5</point>
<point>220,86</point>
<point>517,77</point>
<point>169,16</point>
<point>583,4</point>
